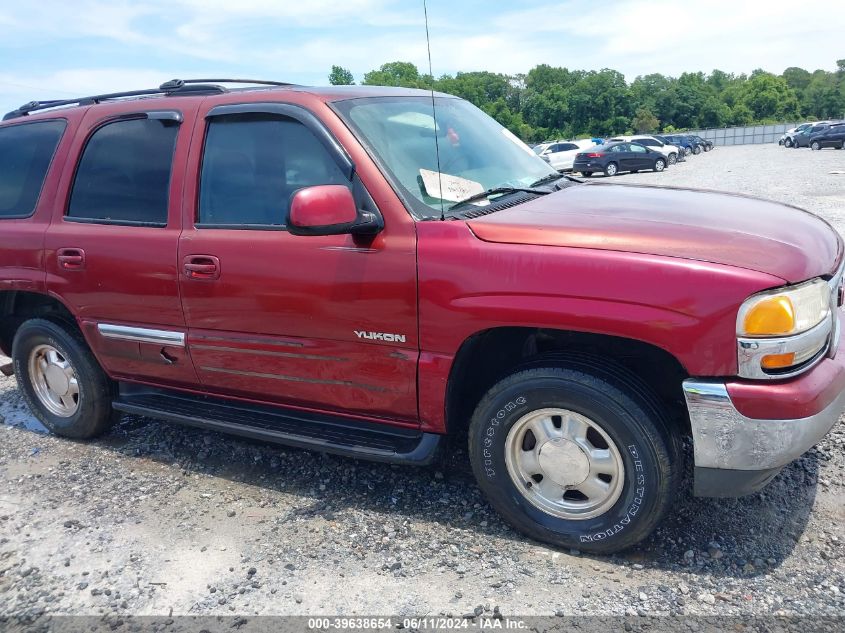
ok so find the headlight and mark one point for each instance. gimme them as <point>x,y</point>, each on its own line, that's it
<point>780,331</point>
<point>785,312</point>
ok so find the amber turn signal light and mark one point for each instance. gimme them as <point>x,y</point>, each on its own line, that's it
<point>778,361</point>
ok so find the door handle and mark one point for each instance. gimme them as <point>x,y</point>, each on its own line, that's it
<point>71,258</point>
<point>202,267</point>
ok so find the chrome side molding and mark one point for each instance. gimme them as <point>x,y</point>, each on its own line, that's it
<point>141,334</point>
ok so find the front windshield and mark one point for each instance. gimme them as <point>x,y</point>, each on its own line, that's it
<point>476,153</point>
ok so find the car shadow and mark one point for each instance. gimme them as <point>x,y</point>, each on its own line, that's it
<point>752,535</point>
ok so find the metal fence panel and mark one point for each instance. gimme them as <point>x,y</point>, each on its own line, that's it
<point>745,135</point>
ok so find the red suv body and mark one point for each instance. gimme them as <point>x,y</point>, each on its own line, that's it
<point>278,263</point>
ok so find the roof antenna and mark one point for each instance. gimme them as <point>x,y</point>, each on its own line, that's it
<point>434,115</point>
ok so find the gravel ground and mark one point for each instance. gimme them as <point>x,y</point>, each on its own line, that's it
<point>159,519</point>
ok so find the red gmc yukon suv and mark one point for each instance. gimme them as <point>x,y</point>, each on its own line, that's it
<point>370,271</point>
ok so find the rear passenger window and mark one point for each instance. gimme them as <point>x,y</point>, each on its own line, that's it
<point>252,165</point>
<point>124,173</point>
<point>25,154</point>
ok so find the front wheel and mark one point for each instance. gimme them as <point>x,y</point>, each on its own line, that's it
<point>696,150</point>
<point>586,174</point>
<point>787,142</point>
<point>673,158</point>
<point>611,169</point>
<point>575,456</point>
<point>659,164</point>
<point>61,381</point>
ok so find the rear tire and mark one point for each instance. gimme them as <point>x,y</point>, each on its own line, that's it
<point>61,380</point>
<point>696,150</point>
<point>611,169</point>
<point>815,145</point>
<point>659,164</point>
<point>629,461</point>
<point>586,174</point>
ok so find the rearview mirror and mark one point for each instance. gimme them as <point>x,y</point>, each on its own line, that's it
<point>323,210</point>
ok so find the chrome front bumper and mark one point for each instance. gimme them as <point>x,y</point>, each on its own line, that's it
<point>726,440</point>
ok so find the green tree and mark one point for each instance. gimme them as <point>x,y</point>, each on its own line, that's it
<point>404,74</point>
<point>340,76</point>
<point>644,121</point>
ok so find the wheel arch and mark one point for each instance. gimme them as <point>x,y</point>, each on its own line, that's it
<point>489,355</point>
<point>17,306</point>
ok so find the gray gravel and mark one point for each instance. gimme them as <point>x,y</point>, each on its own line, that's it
<point>159,519</point>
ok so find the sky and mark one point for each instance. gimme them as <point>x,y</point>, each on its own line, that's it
<point>64,48</point>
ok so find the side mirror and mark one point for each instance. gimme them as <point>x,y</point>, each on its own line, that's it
<point>327,210</point>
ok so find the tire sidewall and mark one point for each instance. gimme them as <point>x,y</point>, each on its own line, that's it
<point>617,528</point>
<point>607,170</point>
<point>83,422</point>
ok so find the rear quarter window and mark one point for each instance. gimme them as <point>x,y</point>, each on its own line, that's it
<point>26,151</point>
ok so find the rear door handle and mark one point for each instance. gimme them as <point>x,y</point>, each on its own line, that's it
<point>201,267</point>
<point>71,258</point>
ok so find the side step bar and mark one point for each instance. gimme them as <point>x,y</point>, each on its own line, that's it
<point>341,436</point>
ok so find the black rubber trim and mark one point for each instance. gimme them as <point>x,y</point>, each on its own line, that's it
<point>340,436</point>
<point>721,482</point>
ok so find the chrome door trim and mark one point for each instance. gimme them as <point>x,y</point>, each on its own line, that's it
<point>141,334</point>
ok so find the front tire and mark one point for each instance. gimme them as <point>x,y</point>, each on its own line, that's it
<point>611,169</point>
<point>596,438</point>
<point>696,150</point>
<point>587,174</point>
<point>673,158</point>
<point>61,380</point>
<point>659,164</point>
<point>787,142</point>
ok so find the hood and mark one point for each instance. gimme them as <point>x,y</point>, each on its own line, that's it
<point>721,228</point>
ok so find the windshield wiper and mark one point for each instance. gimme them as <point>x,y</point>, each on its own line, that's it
<point>554,177</point>
<point>498,190</point>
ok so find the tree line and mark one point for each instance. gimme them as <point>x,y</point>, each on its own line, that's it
<point>555,102</point>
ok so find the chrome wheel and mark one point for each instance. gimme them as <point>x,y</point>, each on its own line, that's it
<point>610,170</point>
<point>659,165</point>
<point>54,381</point>
<point>564,464</point>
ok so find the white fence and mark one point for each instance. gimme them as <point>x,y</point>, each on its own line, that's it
<point>747,135</point>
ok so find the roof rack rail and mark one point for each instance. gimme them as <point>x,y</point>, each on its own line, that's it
<point>172,87</point>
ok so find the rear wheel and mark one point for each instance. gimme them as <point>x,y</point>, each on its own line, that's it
<point>659,164</point>
<point>611,169</point>
<point>576,456</point>
<point>687,151</point>
<point>586,174</point>
<point>61,381</point>
<point>696,150</point>
<point>815,145</point>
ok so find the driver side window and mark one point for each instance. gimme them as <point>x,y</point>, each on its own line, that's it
<point>253,164</point>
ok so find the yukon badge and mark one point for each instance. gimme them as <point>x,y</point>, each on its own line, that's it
<point>381,336</point>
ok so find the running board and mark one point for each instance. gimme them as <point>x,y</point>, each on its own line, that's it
<point>328,434</point>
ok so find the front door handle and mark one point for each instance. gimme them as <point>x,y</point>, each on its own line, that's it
<point>71,258</point>
<point>201,267</point>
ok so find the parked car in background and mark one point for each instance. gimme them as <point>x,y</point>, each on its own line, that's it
<point>561,154</point>
<point>802,138</point>
<point>671,151</point>
<point>789,137</point>
<point>665,140</point>
<point>706,144</point>
<point>680,140</point>
<point>614,157</point>
<point>832,136</point>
